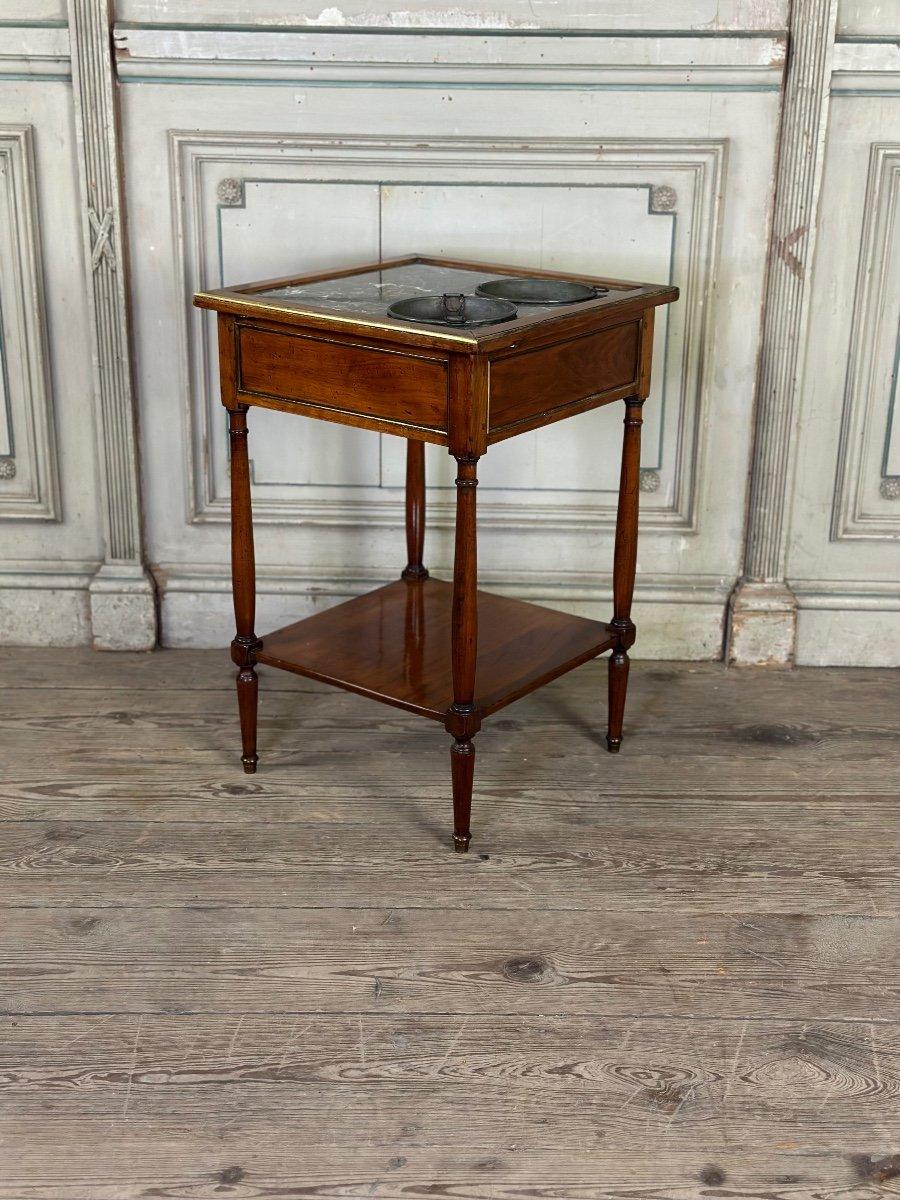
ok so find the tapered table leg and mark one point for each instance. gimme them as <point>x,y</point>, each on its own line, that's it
<point>462,768</point>
<point>464,647</point>
<point>415,510</point>
<point>243,584</point>
<point>624,567</point>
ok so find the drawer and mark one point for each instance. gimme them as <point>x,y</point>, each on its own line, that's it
<point>343,378</point>
<point>525,386</point>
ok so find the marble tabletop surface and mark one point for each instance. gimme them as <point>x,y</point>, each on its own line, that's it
<point>371,293</point>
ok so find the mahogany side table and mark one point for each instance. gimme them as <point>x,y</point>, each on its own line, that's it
<point>463,368</point>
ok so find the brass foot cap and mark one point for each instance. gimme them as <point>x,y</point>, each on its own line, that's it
<point>461,842</point>
<point>613,745</point>
<point>250,762</point>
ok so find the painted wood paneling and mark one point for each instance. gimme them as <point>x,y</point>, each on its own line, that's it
<point>49,519</point>
<point>868,18</point>
<point>33,11</point>
<point>649,158</point>
<point>218,55</point>
<point>615,139</point>
<point>704,15</point>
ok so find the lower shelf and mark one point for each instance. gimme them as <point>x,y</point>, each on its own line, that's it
<point>393,645</point>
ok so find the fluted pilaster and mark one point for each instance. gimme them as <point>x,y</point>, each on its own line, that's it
<point>801,153</point>
<point>123,605</point>
<point>762,624</point>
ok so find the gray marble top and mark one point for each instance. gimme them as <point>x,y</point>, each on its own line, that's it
<point>371,293</point>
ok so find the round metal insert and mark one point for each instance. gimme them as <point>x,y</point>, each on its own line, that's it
<point>540,291</point>
<point>454,309</point>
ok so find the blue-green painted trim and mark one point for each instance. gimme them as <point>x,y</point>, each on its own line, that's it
<point>869,39</point>
<point>38,24</point>
<point>224,81</point>
<point>316,63</point>
<point>865,92</point>
<point>26,77</point>
<point>380,184</point>
<point>892,408</point>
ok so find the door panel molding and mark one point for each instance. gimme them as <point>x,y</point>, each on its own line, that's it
<point>867,481</point>
<point>682,180</point>
<point>29,477</point>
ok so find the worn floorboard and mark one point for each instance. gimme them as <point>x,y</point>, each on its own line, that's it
<point>692,856</point>
<point>669,975</point>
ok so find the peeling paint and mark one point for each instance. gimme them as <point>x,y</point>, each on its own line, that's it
<point>779,53</point>
<point>786,254</point>
<point>328,16</point>
<point>436,18</point>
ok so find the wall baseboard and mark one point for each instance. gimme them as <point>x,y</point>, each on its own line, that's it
<point>841,624</point>
<point>677,617</point>
<point>45,604</point>
<point>76,603</point>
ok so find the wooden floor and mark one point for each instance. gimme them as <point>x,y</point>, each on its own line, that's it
<point>669,974</point>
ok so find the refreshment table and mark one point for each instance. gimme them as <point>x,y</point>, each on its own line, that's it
<point>462,355</point>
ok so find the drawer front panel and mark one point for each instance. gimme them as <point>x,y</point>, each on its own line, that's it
<point>344,378</point>
<point>536,381</point>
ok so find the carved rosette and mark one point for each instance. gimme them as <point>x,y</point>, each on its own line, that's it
<point>7,468</point>
<point>663,199</point>
<point>649,480</point>
<point>230,192</point>
<point>890,487</point>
